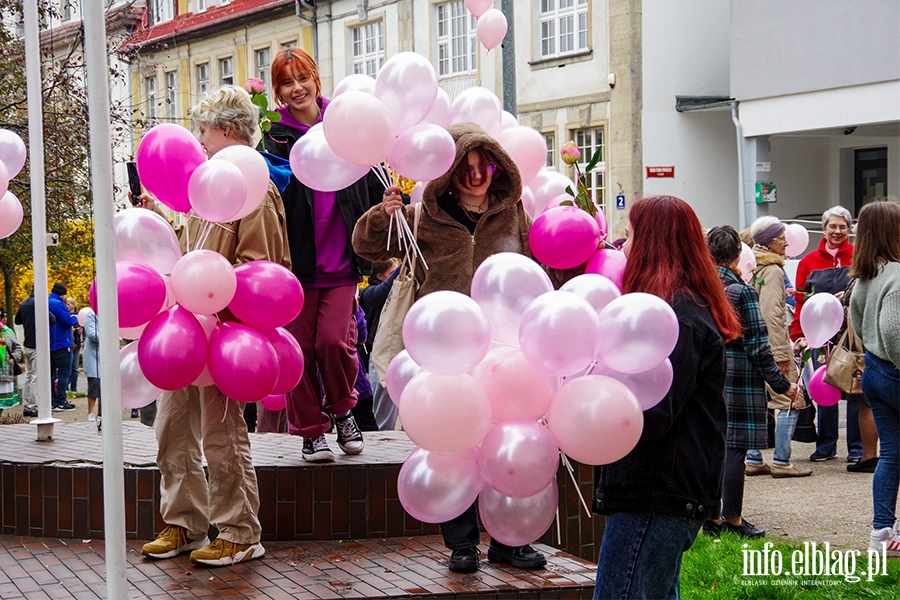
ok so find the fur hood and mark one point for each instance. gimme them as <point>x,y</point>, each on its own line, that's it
<point>765,257</point>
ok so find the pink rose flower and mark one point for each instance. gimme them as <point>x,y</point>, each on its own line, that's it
<point>255,86</point>
<point>570,153</point>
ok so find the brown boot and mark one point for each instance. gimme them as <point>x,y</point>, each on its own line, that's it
<point>789,471</point>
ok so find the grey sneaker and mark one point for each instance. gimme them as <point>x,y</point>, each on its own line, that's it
<point>317,450</point>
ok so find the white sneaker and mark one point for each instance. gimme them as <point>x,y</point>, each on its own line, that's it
<point>886,536</point>
<point>91,417</point>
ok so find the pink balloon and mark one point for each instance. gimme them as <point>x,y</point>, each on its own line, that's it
<point>358,128</point>
<point>519,458</point>
<point>639,331</point>
<point>11,214</point>
<point>435,488</point>
<point>316,165</point>
<point>242,362</point>
<point>275,402</point>
<point>166,158</point>
<point>821,318</point>
<point>797,239</point>
<point>208,323</point>
<point>441,112</point>
<point>507,120</point>
<point>527,147</point>
<point>609,263</point>
<point>354,83</point>
<point>255,170</point>
<point>423,152</point>
<point>596,420</point>
<point>823,393</point>
<point>400,372</point>
<point>267,294</point>
<point>137,391</point>
<point>82,314</point>
<point>446,333</point>
<point>217,190</point>
<point>146,237</point>
<point>290,359</point>
<point>596,290</point>
<point>418,190</point>
<point>649,387</point>
<point>545,186</point>
<point>491,28</point>
<point>559,333</point>
<point>141,293</point>
<point>203,282</point>
<point>564,237</point>
<point>446,414</point>
<point>12,152</point>
<point>503,286</point>
<point>132,333</point>
<point>478,7</point>
<point>477,105</point>
<point>4,179</point>
<point>515,389</point>
<point>518,521</point>
<point>557,201</point>
<point>172,350</point>
<point>600,217</point>
<point>747,262</point>
<point>407,85</point>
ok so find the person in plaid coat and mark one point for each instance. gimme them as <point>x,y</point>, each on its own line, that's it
<point>750,367</point>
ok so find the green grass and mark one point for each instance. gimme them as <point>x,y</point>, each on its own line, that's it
<point>714,568</point>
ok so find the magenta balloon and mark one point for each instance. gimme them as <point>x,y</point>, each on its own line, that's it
<point>12,152</point>
<point>639,331</point>
<point>275,402</point>
<point>290,359</point>
<point>441,113</point>
<point>316,165</point>
<point>217,190</point>
<point>435,488</point>
<point>821,318</point>
<point>267,295</point>
<point>146,237</point>
<point>515,389</point>
<point>558,200</point>
<point>823,393</point>
<point>609,263</point>
<point>400,372</point>
<point>172,349</point>
<point>204,282</point>
<point>354,83</point>
<point>600,217</point>
<point>11,214</point>
<point>491,28</point>
<point>478,7</point>
<point>527,147</point>
<point>255,170</point>
<point>137,391</point>
<point>92,295</point>
<point>446,333</point>
<point>477,105</point>
<point>649,387</point>
<point>423,152</point>
<point>596,420</point>
<point>359,129</point>
<point>447,414</point>
<point>564,237</point>
<point>242,362</point>
<point>596,290</point>
<point>503,286</point>
<point>208,323</point>
<point>518,521</point>
<point>141,293</point>
<point>407,85</point>
<point>166,158</point>
<point>559,333</point>
<point>519,458</point>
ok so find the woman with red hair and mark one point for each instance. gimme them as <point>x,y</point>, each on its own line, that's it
<point>658,496</point>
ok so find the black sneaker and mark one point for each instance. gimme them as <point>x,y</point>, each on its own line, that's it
<point>464,561</point>
<point>317,450</point>
<point>863,466</point>
<point>521,557</point>
<point>711,528</point>
<point>63,407</point>
<point>134,413</point>
<point>29,413</point>
<point>349,437</point>
<point>816,457</point>
<point>745,529</point>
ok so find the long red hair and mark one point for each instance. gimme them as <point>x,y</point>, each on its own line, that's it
<point>668,254</point>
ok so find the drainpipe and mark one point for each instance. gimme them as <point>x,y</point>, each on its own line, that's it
<point>742,192</point>
<point>310,6</point>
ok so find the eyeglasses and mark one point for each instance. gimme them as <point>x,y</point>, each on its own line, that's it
<point>834,227</point>
<point>489,169</point>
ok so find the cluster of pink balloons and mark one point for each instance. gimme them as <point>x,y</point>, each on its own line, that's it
<point>492,25</point>
<point>12,159</point>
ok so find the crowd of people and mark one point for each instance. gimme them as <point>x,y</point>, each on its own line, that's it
<point>737,386</point>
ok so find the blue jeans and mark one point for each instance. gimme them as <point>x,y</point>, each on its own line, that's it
<point>785,424</point>
<point>881,385</point>
<point>73,374</point>
<point>641,555</point>
<point>60,367</point>
<point>383,407</point>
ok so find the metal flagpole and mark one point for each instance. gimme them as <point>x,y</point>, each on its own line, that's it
<point>97,64</point>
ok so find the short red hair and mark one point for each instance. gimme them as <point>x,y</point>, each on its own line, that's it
<point>290,62</point>
<point>668,254</point>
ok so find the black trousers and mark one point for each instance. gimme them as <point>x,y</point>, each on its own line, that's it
<point>462,532</point>
<point>733,482</point>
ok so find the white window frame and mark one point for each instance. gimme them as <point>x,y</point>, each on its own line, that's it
<point>202,83</point>
<point>367,48</point>
<point>588,140</point>
<point>264,69</point>
<point>456,45</point>
<point>563,28</point>
<point>226,70</point>
<point>65,10</point>
<point>550,140</point>
<point>172,95</point>
<point>152,97</point>
<point>202,5</point>
<point>163,10</point>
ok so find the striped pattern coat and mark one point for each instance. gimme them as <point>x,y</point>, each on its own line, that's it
<point>750,367</point>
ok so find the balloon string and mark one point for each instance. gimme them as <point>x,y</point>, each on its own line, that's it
<point>376,169</point>
<point>558,527</point>
<point>390,227</point>
<point>590,368</point>
<point>565,461</point>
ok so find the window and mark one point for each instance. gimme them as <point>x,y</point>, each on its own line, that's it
<point>457,46</point>
<point>163,10</point>
<point>563,27</point>
<point>202,79</point>
<point>289,44</point>
<point>226,71</point>
<point>172,95</point>
<point>66,11</point>
<point>151,98</point>
<point>367,48</point>
<point>263,69</point>
<point>202,5</point>
<point>588,141</point>
<point>550,138</point>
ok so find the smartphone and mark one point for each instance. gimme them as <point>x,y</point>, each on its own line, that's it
<point>134,183</point>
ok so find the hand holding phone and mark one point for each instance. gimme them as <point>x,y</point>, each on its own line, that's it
<point>134,183</point>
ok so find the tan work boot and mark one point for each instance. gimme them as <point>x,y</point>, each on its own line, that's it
<point>789,471</point>
<point>172,541</point>
<point>750,470</point>
<point>222,552</point>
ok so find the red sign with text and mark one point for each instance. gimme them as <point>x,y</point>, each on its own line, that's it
<point>660,171</point>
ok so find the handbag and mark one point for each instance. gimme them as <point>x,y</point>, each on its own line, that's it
<point>17,368</point>
<point>388,341</point>
<point>846,363</point>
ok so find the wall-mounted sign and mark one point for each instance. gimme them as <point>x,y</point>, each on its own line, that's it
<point>765,192</point>
<point>620,202</point>
<point>660,171</point>
<point>763,167</point>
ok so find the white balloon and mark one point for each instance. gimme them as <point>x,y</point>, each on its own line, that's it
<point>407,85</point>
<point>255,171</point>
<point>12,152</point>
<point>639,331</point>
<point>143,236</point>
<point>596,289</point>
<point>441,111</point>
<point>478,105</point>
<point>355,83</point>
